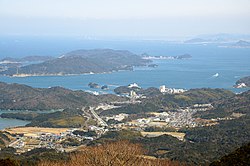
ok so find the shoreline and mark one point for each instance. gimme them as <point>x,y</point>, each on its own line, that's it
<point>10,123</point>
<point>59,74</point>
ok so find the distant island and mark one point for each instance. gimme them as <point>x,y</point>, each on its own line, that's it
<point>241,44</point>
<point>81,62</point>
<point>196,41</point>
<point>9,62</point>
<point>243,82</point>
<point>218,38</point>
<point>148,57</point>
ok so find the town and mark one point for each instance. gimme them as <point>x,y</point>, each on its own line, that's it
<point>70,139</point>
<point>98,122</point>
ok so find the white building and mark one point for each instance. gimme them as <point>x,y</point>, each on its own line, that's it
<point>241,85</point>
<point>134,85</point>
<point>133,94</point>
<point>164,89</point>
<point>119,117</point>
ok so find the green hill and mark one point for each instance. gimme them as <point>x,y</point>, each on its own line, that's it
<point>23,97</point>
<point>240,157</point>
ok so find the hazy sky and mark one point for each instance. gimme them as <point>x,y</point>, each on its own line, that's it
<point>124,17</point>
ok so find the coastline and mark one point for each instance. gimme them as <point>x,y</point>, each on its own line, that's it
<point>10,122</point>
<point>16,122</point>
<point>60,74</point>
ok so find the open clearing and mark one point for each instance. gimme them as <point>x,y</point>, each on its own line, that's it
<point>34,130</point>
<point>178,135</point>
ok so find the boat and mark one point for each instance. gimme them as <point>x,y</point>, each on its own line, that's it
<point>216,75</point>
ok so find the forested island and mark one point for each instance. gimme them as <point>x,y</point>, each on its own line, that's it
<point>81,62</point>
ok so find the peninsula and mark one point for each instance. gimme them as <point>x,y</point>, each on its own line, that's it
<point>243,82</point>
<point>23,97</point>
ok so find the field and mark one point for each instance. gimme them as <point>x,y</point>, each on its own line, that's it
<point>178,135</point>
<point>34,130</point>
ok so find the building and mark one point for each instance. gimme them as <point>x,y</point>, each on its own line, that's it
<point>164,89</point>
<point>134,85</point>
<point>133,94</point>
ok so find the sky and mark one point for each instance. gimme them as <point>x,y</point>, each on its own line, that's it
<point>114,18</point>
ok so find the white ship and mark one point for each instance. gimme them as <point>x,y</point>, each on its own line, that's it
<point>216,75</point>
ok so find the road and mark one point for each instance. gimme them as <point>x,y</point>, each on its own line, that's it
<point>102,122</point>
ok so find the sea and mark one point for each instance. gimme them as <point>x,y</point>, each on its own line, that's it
<point>6,122</point>
<point>211,66</point>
